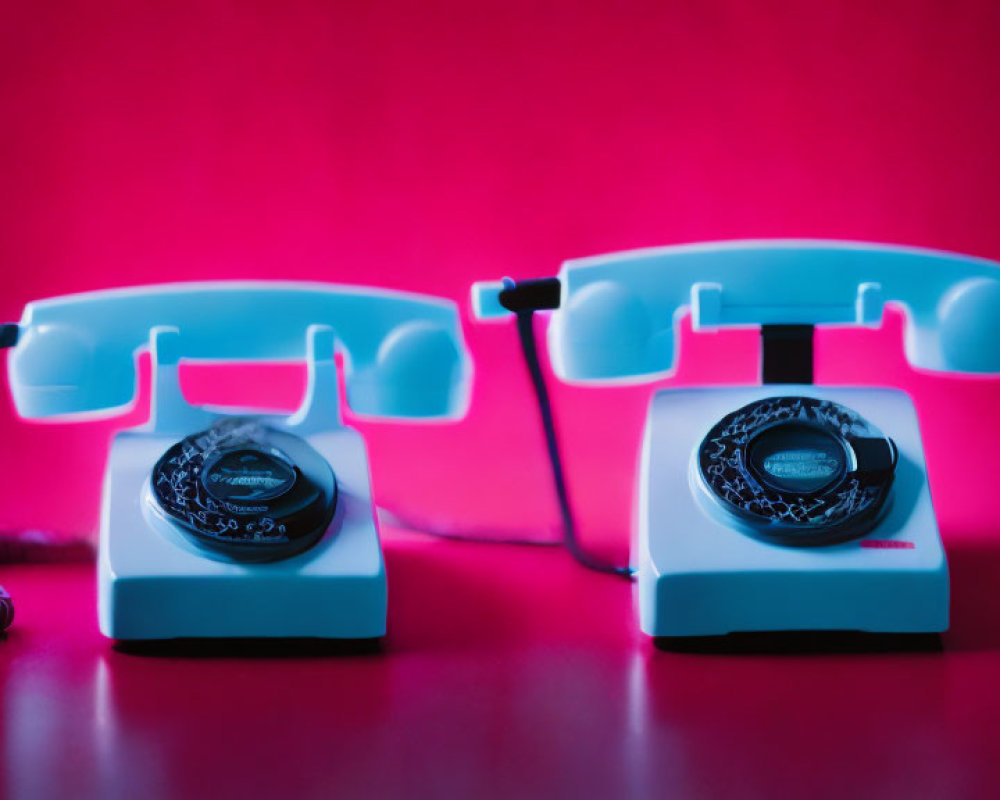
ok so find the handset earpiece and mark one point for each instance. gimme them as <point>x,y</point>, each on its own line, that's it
<point>608,331</point>
<point>969,321</point>
<point>419,371</point>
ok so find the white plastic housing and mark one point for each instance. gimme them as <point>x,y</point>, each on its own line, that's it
<point>153,584</point>
<point>699,574</point>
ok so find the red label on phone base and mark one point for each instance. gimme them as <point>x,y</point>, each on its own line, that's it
<point>887,544</point>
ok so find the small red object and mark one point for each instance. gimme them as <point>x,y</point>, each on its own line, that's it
<point>6,610</point>
<point>887,544</point>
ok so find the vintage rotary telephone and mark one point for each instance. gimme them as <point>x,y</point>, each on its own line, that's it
<point>217,523</point>
<point>785,506</point>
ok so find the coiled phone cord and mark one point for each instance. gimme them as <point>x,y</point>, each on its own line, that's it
<point>462,532</point>
<point>524,298</point>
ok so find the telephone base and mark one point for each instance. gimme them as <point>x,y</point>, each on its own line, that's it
<point>699,574</point>
<point>154,584</point>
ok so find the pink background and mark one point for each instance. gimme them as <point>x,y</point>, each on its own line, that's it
<point>423,146</point>
<point>427,145</point>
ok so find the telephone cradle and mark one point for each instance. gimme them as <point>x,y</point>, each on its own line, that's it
<point>785,506</point>
<point>217,523</point>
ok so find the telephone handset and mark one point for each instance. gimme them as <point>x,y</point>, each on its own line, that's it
<point>618,314</point>
<point>220,524</point>
<point>751,495</point>
<point>404,354</point>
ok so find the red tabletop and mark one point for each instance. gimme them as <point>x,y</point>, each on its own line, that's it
<point>507,672</point>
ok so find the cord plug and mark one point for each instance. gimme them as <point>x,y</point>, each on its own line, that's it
<point>499,299</point>
<point>9,333</point>
<point>535,294</point>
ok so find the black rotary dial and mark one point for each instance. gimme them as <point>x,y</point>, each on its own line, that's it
<point>246,490</point>
<point>798,470</point>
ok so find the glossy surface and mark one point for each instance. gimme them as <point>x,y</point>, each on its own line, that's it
<point>535,683</point>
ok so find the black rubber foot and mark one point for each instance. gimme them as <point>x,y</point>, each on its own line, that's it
<point>802,642</point>
<point>250,647</point>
